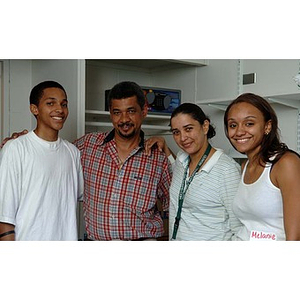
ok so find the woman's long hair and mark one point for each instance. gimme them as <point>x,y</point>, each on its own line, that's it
<point>271,144</point>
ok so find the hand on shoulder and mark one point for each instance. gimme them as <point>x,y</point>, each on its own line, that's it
<point>155,141</point>
<point>13,136</point>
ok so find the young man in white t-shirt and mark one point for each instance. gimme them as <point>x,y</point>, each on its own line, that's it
<point>41,177</point>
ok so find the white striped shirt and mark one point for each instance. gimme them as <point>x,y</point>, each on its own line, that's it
<point>207,206</point>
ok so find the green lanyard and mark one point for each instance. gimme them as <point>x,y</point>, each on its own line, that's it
<point>184,188</point>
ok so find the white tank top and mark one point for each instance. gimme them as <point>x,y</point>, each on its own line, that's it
<point>259,207</point>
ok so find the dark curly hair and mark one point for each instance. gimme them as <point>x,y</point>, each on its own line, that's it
<point>127,89</point>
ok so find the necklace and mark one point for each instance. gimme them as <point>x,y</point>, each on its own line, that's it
<point>184,187</point>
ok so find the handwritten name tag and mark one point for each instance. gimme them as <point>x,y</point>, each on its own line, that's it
<point>262,236</point>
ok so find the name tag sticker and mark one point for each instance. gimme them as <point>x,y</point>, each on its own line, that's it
<point>262,236</point>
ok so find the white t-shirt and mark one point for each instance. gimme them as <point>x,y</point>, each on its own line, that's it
<point>40,183</point>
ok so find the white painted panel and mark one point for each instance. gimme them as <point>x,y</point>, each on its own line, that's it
<point>218,80</point>
<point>68,74</point>
<point>273,76</point>
<point>101,77</point>
<point>182,79</point>
<point>287,123</point>
<point>19,86</point>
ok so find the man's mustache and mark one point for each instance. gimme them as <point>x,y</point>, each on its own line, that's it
<point>125,124</point>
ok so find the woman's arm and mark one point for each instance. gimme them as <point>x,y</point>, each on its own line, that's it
<point>286,176</point>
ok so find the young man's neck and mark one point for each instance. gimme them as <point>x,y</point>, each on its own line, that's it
<point>47,136</point>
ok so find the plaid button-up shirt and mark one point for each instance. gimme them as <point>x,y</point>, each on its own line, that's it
<point>120,202</point>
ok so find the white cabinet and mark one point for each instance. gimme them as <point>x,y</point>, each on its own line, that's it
<point>102,75</point>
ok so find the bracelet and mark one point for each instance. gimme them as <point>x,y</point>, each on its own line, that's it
<point>6,233</point>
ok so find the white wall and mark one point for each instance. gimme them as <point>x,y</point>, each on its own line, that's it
<point>273,76</point>
<point>17,76</point>
<point>222,81</point>
<point>70,74</point>
<point>183,79</point>
<point>21,75</point>
<point>288,123</point>
<point>218,80</point>
<point>101,77</point>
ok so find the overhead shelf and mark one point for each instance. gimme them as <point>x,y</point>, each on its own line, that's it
<point>290,100</point>
<point>150,64</point>
<point>144,126</point>
<point>153,122</point>
<point>150,116</point>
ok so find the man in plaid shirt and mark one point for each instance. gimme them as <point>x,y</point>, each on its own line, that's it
<point>122,183</point>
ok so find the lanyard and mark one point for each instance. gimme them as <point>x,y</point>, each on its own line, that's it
<point>184,187</point>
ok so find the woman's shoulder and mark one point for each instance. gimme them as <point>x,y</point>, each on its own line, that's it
<point>286,171</point>
<point>226,162</point>
<point>288,162</point>
<point>225,158</point>
<point>289,157</point>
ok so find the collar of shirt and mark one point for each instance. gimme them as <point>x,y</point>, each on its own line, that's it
<point>110,136</point>
<point>183,159</point>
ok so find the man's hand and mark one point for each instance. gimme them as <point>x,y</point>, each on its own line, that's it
<point>161,144</point>
<point>14,136</point>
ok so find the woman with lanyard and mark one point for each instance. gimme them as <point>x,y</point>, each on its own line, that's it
<point>204,181</point>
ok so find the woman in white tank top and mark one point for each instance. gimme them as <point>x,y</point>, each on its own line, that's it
<point>268,198</point>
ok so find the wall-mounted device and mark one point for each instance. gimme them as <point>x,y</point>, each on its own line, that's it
<point>249,78</point>
<point>158,100</point>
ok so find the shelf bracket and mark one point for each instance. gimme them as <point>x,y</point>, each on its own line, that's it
<point>289,103</point>
<point>218,106</point>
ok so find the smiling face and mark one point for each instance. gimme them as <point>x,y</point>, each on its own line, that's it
<point>127,117</point>
<point>51,113</point>
<point>189,134</point>
<point>246,128</point>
